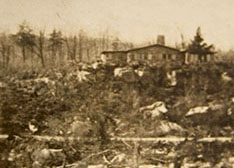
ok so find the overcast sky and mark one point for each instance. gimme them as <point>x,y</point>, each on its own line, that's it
<point>132,20</point>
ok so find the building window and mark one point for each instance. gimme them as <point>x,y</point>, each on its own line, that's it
<point>164,56</point>
<point>169,56</point>
<point>188,57</point>
<point>150,56</point>
<point>130,56</point>
<point>138,56</point>
<point>174,57</point>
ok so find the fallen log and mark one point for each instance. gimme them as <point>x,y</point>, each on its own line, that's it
<point>133,139</point>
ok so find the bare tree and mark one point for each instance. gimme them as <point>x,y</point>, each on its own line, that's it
<point>5,49</point>
<point>74,47</point>
<point>81,41</point>
<point>69,52</point>
<point>71,48</point>
<point>40,46</point>
<point>103,42</point>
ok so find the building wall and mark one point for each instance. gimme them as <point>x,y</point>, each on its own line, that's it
<point>148,54</point>
<point>155,54</point>
<point>191,58</point>
<point>210,58</point>
<point>114,57</point>
<point>194,58</point>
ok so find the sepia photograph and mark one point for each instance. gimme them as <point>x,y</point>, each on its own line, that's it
<point>116,84</point>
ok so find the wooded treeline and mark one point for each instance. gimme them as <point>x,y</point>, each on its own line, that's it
<point>37,49</point>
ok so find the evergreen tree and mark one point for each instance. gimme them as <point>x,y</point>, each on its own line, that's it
<point>25,39</point>
<point>199,47</point>
<point>56,43</point>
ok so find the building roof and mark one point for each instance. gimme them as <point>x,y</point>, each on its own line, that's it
<point>205,52</point>
<point>154,45</point>
<point>139,48</point>
<point>105,52</point>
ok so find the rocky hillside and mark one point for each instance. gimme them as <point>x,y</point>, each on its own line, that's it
<point>130,100</point>
<point>104,101</point>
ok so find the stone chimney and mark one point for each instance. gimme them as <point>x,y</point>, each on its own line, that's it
<point>161,40</point>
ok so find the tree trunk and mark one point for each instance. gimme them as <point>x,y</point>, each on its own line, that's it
<point>88,58</point>
<point>3,52</point>
<point>42,59</point>
<point>24,53</point>
<point>74,48</point>
<point>80,47</point>
<point>41,48</point>
<point>31,53</point>
<point>8,56</point>
<point>69,55</point>
<point>53,55</point>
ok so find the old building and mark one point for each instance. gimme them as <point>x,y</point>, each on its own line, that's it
<point>114,56</point>
<point>155,53</point>
<point>152,53</point>
<point>191,58</point>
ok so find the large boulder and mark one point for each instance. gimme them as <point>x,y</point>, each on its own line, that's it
<point>155,110</point>
<point>127,74</point>
<point>171,77</point>
<point>215,116</point>
<point>47,157</point>
<point>118,72</point>
<point>225,77</point>
<point>80,128</point>
<point>82,75</point>
<point>191,164</point>
<point>164,127</point>
<point>3,85</point>
<point>197,110</point>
